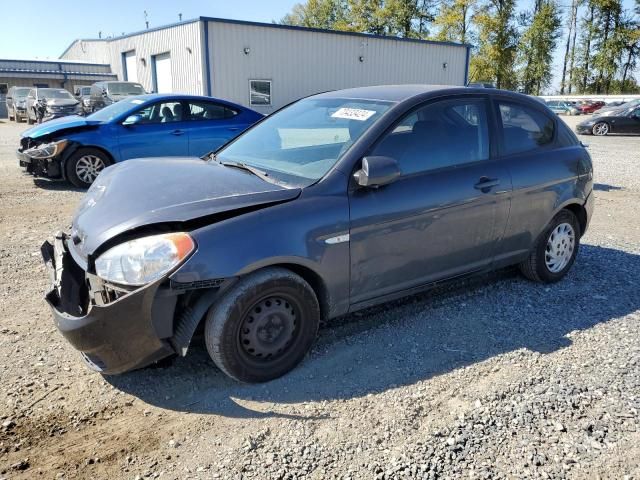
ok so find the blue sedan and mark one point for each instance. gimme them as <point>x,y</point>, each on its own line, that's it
<point>159,125</point>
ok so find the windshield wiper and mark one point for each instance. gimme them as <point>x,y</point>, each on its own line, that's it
<point>248,168</point>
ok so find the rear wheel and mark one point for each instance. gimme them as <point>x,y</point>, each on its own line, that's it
<point>84,166</point>
<point>556,250</point>
<point>263,327</point>
<point>600,129</point>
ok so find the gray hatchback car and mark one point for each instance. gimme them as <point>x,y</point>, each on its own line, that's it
<point>337,202</point>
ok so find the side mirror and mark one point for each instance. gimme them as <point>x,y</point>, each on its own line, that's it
<point>377,171</point>
<point>132,120</point>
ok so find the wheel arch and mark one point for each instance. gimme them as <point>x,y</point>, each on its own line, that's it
<point>307,273</point>
<point>580,212</point>
<point>82,146</point>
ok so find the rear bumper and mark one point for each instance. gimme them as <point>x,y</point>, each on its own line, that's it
<point>127,333</point>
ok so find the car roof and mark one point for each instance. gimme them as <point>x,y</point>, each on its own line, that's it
<point>399,93</point>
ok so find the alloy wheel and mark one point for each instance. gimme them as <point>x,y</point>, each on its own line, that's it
<point>88,167</point>
<point>600,129</point>
<point>560,247</point>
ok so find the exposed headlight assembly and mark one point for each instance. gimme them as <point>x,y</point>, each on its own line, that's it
<point>47,150</point>
<point>144,260</point>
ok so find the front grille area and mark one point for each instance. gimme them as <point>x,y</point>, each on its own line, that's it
<point>103,293</point>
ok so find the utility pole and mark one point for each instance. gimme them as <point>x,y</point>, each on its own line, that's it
<point>146,19</point>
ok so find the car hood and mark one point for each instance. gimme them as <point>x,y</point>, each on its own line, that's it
<point>143,192</point>
<point>58,125</point>
<point>61,102</point>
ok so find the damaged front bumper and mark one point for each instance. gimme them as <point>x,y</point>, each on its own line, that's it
<point>40,167</point>
<point>115,331</point>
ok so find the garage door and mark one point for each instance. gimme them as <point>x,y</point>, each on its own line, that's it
<point>131,64</point>
<point>163,73</point>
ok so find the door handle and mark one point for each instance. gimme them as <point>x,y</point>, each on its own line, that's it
<point>485,184</point>
<point>177,132</point>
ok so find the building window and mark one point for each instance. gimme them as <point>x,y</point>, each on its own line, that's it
<point>259,92</point>
<point>4,88</point>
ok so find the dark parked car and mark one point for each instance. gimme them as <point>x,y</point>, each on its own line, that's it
<point>104,94</point>
<point>337,202</point>
<point>83,94</point>
<point>77,149</point>
<point>17,103</point>
<point>618,121</point>
<point>57,102</point>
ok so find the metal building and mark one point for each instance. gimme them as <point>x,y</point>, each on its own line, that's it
<point>265,66</point>
<point>66,73</point>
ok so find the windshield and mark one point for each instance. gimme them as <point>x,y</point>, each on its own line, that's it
<point>54,93</point>
<point>115,110</point>
<point>21,92</point>
<point>125,89</point>
<point>301,143</point>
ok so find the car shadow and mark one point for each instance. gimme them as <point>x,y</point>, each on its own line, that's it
<point>56,185</point>
<point>408,341</point>
<point>603,187</point>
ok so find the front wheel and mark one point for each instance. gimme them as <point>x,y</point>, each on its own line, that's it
<point>600,129</point>
<point>84,166</point>
<point>555,251</point>
<point>263,327</point>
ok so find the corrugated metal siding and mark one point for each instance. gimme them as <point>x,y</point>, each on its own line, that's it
<point>95,51</point>
<point>300,63</point>
<point>186,68</point>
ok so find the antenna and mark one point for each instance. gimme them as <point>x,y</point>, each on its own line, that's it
<point>180,17</point>
<point>146,19</point>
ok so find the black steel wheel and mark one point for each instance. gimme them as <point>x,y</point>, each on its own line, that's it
<point>263,326</point>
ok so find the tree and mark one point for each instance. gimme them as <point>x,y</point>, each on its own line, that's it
<point>495,57</point>
<point>401,18</point>
<point>537,45</point>
<point>630,33</point>
<point>581,72</point>
<point>570,46</point>
<point>407,18</point>
<point>317,14</point>
<point>608,42</point>
<point>453,21</point>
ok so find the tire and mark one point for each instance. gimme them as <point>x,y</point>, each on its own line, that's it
<point>84,165</point>
<point>14,115</point>
<point>561,235</point>
<point>264,326</point>
<point>600,129</point>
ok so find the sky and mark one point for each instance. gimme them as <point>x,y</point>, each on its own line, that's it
<point>51,26</point>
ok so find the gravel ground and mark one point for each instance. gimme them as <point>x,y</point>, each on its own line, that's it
<point>491,378</point>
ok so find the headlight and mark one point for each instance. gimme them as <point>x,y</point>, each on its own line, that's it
<point>145,259</point>
<point>47,150</point>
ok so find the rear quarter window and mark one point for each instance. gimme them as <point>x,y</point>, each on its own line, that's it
<point>524,128</point>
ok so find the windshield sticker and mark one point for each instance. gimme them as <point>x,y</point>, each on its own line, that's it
<point>137,102</point>
<point>353,114</point>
